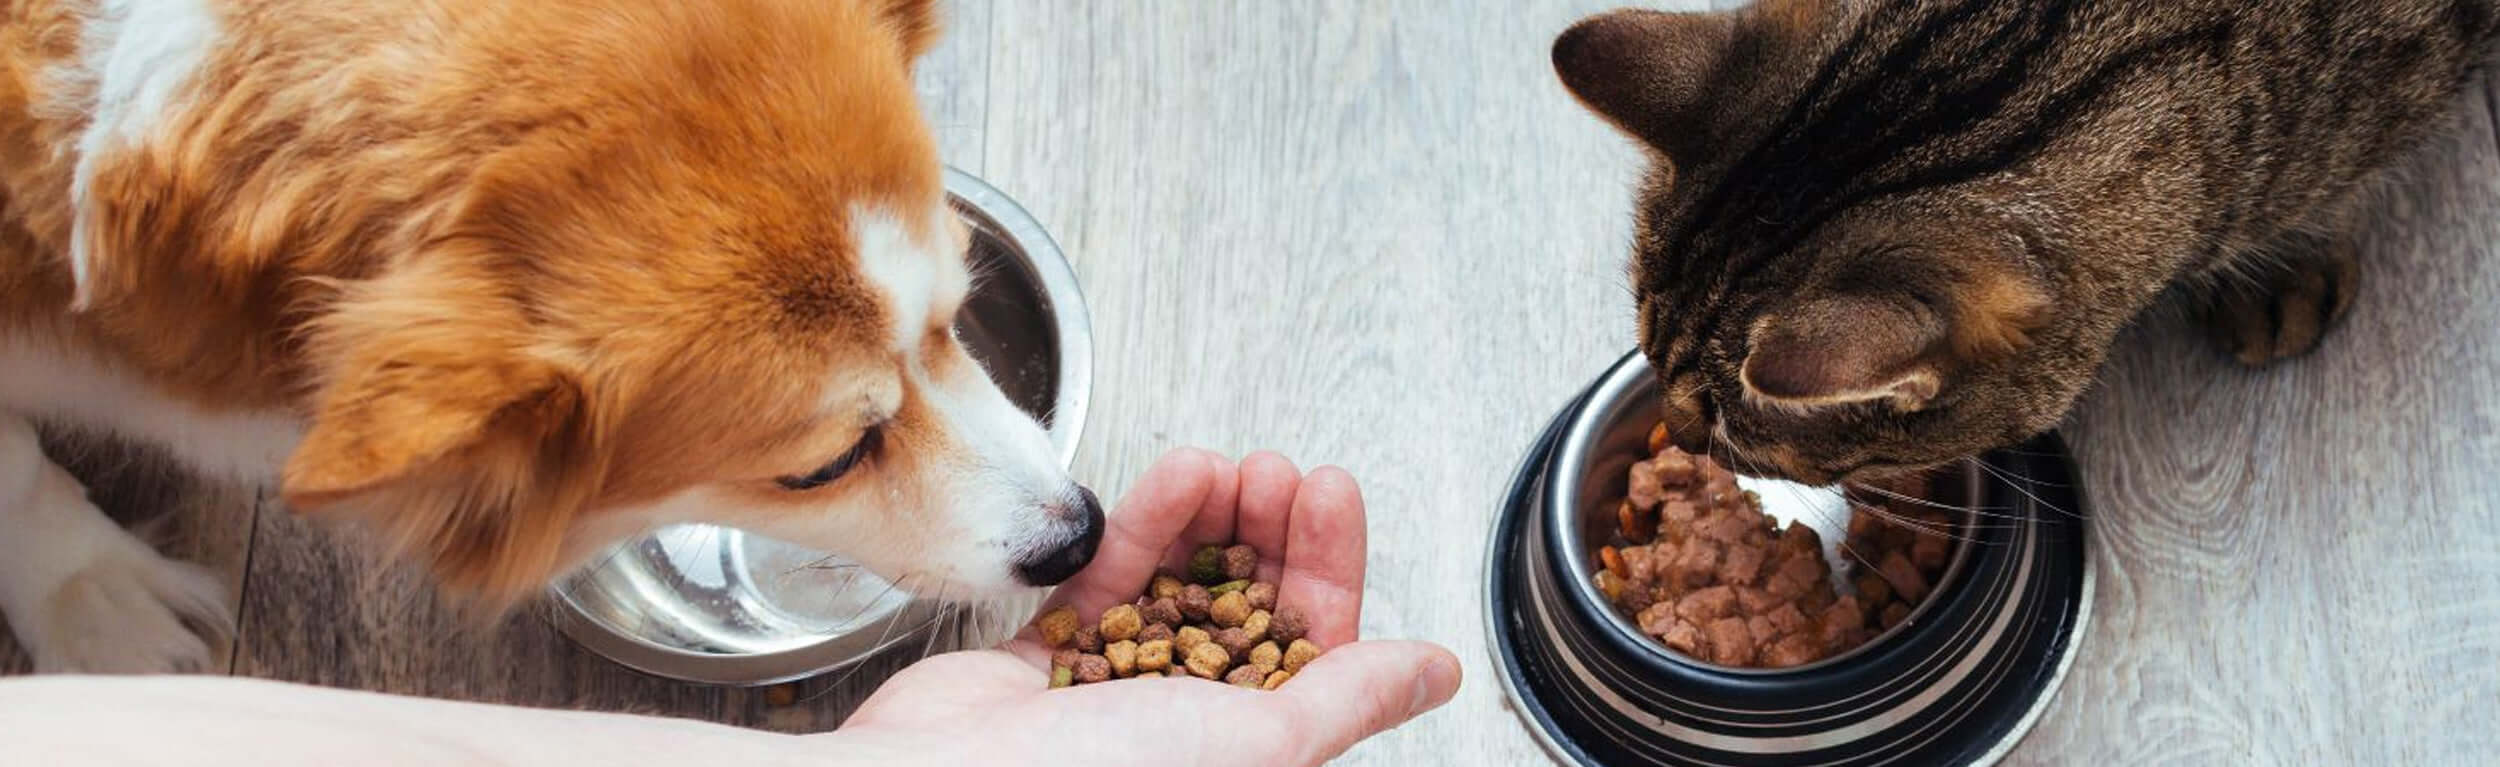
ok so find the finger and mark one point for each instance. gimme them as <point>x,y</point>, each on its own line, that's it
<point>1359,690</point>
<point>1323,556</point>
<point>1268,484</point>
<point>1177,489</point>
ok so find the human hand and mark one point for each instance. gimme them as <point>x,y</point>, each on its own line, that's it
<point>993,706</point>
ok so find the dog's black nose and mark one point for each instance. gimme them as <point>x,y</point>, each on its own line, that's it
<point>1057,565</point>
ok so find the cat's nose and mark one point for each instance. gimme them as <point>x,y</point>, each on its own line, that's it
<point>1686,412</point>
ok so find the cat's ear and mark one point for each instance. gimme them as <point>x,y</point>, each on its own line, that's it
<point>1851,348</point>
<point>1845,349</point>
<point>1645,71</point>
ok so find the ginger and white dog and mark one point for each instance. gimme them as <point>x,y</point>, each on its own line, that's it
<point>505,282</point>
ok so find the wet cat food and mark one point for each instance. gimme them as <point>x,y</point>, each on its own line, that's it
<point>1696,565</point>
<point>1213,622</point>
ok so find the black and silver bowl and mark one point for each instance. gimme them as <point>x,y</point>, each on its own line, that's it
<point>1959,682</point>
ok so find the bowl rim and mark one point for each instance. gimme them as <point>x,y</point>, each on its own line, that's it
<point>1072,329</point>
<point>1576,446</point>
<point>1516,524</point>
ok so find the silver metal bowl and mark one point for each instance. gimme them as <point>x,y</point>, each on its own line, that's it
<point>716,605</point>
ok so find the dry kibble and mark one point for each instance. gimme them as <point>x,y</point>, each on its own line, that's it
<point>1190,637</point>
<point>1121,623</point>
<point>1165,587</point>
<point>1234,641</point>
<point>1194,602</point>
<point>1212,622</point>
<point>1298,654</point>
<point>1288,625</point>
<point>1150,675</point>
<point>1163,612</point>
<point>1266,654</point>
<point>1123,657</point>
<point>1257,624</point>
<point>1207,566</point>
<point>1229,610</point>
<point>1153,656</point>
<point>1208,661</point>
<point>1058,626</point>
<point>1262,595</point>
<point>1241,561</point>
<point>781,695</point>
<point>1092,668</point>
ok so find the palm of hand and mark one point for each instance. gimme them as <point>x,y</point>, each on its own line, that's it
<point>993,704</point>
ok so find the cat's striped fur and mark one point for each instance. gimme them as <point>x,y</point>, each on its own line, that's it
<point>1882,234</point>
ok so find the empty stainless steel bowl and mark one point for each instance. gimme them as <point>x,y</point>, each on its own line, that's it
<point>716,605</point>
<point>1959,682</point>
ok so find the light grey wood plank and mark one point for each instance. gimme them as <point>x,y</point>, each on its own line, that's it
<point>1372,234</point>
<point>953,83</point>
<point>2297,565</point>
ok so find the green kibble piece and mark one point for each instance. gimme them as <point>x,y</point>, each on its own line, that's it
<point>1207,566</point>
<point>1062,676</point>
<point>1227,587</point>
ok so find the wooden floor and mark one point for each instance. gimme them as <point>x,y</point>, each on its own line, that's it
<point>1377,234</point>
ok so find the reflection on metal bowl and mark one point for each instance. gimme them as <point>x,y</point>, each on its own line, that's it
<point>716,605</point>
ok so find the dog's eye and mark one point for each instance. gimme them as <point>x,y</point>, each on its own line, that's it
<point>841,464</point>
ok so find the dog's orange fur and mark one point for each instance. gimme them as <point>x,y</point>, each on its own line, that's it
<point>510,259</point>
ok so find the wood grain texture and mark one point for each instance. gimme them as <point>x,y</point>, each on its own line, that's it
<point>1378,235</point>
<point>2297,565</point>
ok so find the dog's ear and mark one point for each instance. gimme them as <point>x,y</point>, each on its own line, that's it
<point>915,22</point>
<point>449,439</point>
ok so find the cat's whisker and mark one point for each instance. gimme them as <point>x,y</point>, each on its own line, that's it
<point>2018,485</point>
<point>1983,511</point>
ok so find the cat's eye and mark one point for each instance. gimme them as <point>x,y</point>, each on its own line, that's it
<point>840,465</point>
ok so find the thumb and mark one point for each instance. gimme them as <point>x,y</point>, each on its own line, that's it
<point>1362,689</point>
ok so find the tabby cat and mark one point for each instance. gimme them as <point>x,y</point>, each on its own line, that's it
<point>1884,234</point>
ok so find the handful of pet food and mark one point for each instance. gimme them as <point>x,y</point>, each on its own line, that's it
<point>1213,622</point>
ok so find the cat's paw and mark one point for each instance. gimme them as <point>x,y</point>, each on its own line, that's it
<point>130,613</point>
<point>2287,310</point>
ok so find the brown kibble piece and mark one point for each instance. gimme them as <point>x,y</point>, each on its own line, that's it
<point>1241,562</point>
<point>1298,654</point>
<point>1154,656</point>
<point>1792,650</point>
<point>1930,552</point>
<point>1234,641</point>
<point>1190,637</point>
<point>1150,675</point>
<point>1123,657</point>
<point>1276,679</point>
<point>1088,639</point>
<point>1288,625</point>
<point>1873,590</point>
<point>1165,611</point>
<point>1246,676</point>
<point>1262,595</point>
<point>1065,657</point>
<point>1266,654</point>
<point>1194,602</point>
<point>1208,661</point>
<point>1092,668</point>
<point>1154,632</point>
<point>1229,610</point>
<point>1895,613</point>
<point>1165,587</point>
<point>1704,605</point>
<point>1683,638</point>
<point>1121,623</point>
<point>1058,626</point>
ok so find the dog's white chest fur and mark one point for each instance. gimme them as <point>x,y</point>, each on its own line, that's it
<point>75,390</point>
